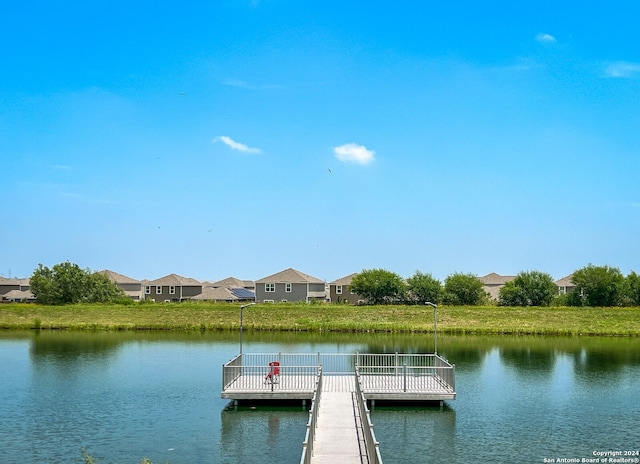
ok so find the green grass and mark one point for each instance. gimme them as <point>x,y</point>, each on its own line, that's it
<point>193,316</point>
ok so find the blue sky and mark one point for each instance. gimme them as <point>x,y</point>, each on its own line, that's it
<point>240,138</point>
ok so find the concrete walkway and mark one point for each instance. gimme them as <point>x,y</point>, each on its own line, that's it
<point>339,432</point>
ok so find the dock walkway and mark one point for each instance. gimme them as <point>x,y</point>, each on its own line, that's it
<point>338,437</point>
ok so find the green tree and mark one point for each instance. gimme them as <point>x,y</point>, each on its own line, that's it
<point>531,288</point>
<point>512,295</point>
<point>632,288</point>
<point>463,289</point>
<point>67,283</point>
<point>102,290</point>
<point>599,285</point>
<point>379,286</point>
<point>424,287</point>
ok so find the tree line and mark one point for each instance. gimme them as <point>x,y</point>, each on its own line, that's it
<point>67,283</point>
<point>594,286</point>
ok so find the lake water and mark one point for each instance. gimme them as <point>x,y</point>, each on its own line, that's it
<point>127,396</point>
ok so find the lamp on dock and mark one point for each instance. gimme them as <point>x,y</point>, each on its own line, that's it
<point>435,326</point>
<point>241,309</point>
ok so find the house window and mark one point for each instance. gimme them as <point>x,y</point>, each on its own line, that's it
<point>339,289</point>
<point>158,290</point>
<point>351,291</point>
<point>172,290</point>
<point>269,287</point>
<point>147,290</point>
<point>287,288</point>
<point>562,290</point>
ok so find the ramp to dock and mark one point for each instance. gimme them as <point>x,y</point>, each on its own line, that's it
<point>339,436</point>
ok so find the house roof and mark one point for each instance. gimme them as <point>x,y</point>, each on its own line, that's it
<point>14,281</point>
<point>344,280</point>
<point>566,281</point>
<point>18,295</point>
<point>175,279</point>
<point>232,282</point>
<point>224,294</point>
<point>215,294</point>
<point>119,278</point>
<point>292,276</point>
<point>495,279</point>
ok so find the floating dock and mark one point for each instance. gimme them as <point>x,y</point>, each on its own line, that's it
<point>337,383</point>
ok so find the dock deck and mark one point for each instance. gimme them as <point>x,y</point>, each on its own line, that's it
<point>396,377</point>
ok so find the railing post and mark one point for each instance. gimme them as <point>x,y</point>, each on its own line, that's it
<point>405,376</point>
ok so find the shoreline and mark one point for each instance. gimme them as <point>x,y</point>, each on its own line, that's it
<point>459,320</point>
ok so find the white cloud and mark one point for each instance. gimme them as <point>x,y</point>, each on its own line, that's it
<point>623,69</point>
<point>545,38</point>
<point>236,145</point>
<point>350,152</point>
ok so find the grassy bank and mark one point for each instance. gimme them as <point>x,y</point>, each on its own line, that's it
<point>300,317</point>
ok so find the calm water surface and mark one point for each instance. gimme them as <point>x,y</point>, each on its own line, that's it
<point>123,396</point>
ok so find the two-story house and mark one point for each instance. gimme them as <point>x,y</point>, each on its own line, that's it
<point>15,290</point>
<point>131,287</point>
<point>290,285</point>
<point>340,291</point>
<point>170,288</point>
<point>492,283</point>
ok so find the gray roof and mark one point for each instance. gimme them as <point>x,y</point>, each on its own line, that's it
<point>495,279</point>
<point>174,279</point>
<point>119,278</point>
<point>224,294</point>
<point>291,276</point>
<point>344,280</point>
<point>14,281</point>
<point>566,281</point>
<point>18,295</point>
<point>232,282</point>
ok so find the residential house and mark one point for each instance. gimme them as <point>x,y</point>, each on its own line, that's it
<point>290,285</point>
<point>225,294</point>
<point>131,287</point>
<point>492,283</point>
<point>15,290</point>
<point>565,285</point>
<point>340,291</point>
<point>171,288</point>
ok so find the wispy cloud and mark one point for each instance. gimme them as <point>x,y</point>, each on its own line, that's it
<point>546,39</point>
<point>235,145</point>
<point>353,153</point>
<point>623,69</point>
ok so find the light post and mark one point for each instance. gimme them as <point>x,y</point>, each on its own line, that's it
<point>241,309</point>
<point>435,326</point>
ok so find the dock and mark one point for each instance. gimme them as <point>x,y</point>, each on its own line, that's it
<point>338,384</point>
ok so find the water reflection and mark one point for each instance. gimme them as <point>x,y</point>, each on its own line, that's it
<point>262,433</point>
<point>124,396</point>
